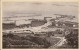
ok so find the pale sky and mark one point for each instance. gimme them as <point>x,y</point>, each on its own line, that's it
<point>11,9</point>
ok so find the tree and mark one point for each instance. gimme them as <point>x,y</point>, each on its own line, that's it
<point>72,38</point>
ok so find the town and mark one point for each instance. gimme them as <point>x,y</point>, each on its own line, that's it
<point>52,32</point>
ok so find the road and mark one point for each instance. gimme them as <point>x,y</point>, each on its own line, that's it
<point>34,29</point>
<point>60,43</point>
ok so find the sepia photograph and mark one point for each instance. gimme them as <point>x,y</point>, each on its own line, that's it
<point>40,25</point>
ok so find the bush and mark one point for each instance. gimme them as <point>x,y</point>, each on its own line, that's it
<point>11,39</point>
<point>40,41</point>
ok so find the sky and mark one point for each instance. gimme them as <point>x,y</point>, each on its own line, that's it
<point>11,9</point>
